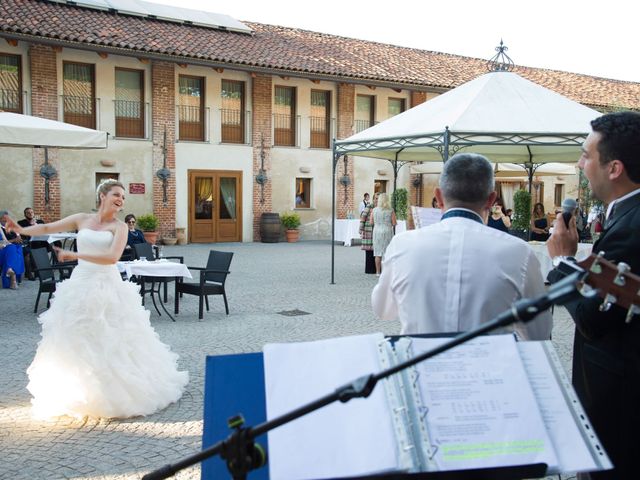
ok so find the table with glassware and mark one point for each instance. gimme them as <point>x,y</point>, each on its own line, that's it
<point>161,269</point>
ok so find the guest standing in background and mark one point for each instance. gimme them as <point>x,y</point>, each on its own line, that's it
<point>366,234</point>
<point>498,219</point>
<point>364,203</point>
<point>539,224</point>
<point>384,219</point>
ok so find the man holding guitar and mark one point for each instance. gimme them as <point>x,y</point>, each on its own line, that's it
<point>606,354</point>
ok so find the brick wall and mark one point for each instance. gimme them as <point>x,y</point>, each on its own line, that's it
<point>417,98</point>
<point>261,99</point>
<point>164,120</point>
<point>44,103</point>
<point>416,196</point>
<point>346,111</point>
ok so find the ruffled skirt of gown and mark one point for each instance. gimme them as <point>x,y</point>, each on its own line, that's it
<point>99,355</point>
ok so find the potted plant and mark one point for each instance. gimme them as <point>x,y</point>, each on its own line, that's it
<point>400,204</point>
<point>291,222</point>
<point>521,222</point>
<point>149,225</point>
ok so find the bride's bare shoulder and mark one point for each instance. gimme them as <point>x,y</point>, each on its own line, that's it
<point>84,220</point>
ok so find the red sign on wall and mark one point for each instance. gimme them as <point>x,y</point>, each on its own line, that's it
<point>136,188</point>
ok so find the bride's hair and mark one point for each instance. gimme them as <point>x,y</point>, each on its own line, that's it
<point>105,186</point>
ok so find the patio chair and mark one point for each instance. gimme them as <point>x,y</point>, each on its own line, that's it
<point>211,282</point>
<point>45,273</point>
<point>150,252</point>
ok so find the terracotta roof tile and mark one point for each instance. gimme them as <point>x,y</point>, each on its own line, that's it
<point>282,49</point>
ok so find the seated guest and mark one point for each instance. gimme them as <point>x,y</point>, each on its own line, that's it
<point>11,259</point>
<point>28,220</point>
<point>539,224</point>
<point>135,236</point>
<point>27,244</point>
<point>498,219</point>
<point>456,274</point>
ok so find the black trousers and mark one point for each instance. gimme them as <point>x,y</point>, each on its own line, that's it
<point>369,262</point>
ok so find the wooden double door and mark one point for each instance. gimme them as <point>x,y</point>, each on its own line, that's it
<point>215,206</point>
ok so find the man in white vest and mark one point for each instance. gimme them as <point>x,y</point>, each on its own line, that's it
<point>458,273</point>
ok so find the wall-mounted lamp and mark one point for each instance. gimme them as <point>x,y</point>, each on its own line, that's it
<point>47,172</point>
<point>164,173</point>
<point>261,177</point>
<point>345,180</point>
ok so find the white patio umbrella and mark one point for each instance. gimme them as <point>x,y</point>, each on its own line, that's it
<point>18,130</point>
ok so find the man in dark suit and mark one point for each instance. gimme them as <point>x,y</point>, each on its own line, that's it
<point>606,356</point>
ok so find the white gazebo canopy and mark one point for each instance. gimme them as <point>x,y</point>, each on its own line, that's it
<point>502,170</point>
<point>18,130</point>
<point>499,114</point>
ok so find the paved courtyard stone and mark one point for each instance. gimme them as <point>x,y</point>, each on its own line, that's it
<point>265,279</point>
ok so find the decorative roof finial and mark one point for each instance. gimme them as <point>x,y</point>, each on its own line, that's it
<point>500,62</point>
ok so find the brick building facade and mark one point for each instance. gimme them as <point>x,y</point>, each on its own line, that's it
<point>219,161</point>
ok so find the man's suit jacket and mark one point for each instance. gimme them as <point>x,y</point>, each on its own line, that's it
<point>606,358</point>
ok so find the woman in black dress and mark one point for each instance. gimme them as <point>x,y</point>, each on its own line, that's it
<point>497,219</point>
<point>134,236</point>
<point>539,224</point>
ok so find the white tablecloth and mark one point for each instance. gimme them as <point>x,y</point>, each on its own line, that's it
<point>54,237</point>
<point>540,249</point>
<point>159,268</point>
<point>347,230</point>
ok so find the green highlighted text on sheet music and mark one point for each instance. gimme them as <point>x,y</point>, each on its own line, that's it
<point>466,451</point>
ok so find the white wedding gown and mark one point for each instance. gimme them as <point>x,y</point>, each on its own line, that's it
<point>99,355</point>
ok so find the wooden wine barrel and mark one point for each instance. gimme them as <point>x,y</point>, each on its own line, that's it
<point>270,228</point>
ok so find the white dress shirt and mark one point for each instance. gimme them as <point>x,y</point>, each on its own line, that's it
<point>453,275</point>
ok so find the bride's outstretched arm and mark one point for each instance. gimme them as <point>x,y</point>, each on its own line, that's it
<point>67,224</point>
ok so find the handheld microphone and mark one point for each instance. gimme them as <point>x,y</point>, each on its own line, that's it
<point>569,206</point>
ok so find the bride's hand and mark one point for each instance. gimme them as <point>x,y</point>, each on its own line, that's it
<point>12,226</point>
<point>64,255</point>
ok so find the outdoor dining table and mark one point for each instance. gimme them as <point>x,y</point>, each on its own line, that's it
<point>62,237</point>
<point>160,269</point>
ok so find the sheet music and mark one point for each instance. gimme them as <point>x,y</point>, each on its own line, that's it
<point>482,411</point>
<point>339,440</point>
<point>425,216</point>
<point>575,448</point>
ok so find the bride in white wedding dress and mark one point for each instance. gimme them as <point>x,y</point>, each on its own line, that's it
<point>99,355</point>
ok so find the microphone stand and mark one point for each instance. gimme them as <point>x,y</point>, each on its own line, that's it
<point>241,453</point>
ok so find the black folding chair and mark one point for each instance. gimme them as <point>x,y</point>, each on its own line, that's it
<point>45,273</point>
<point>211,282</point>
